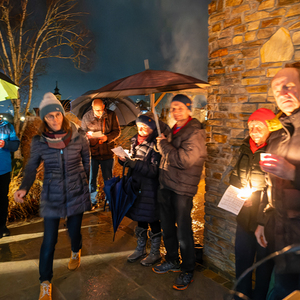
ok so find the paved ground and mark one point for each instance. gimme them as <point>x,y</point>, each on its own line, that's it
<point>104,272</point>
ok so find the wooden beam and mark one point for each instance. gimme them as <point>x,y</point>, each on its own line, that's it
<point>158,100</point>
<point>152,100</point>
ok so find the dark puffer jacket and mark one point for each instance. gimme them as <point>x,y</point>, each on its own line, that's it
<point>110,127</point>
<point>282,214</point>
<point>145,179</point>
<point>183,155</point>
<point>247,170</point>
<point>66,172</point>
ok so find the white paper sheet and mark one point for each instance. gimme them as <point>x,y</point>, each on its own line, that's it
<point>97,134</point>
<point>230,200</point>
<point>119,151</point>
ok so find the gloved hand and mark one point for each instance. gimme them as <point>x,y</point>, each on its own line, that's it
<point>130,163</point>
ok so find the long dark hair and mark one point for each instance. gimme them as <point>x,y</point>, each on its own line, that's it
<point>66,125</point>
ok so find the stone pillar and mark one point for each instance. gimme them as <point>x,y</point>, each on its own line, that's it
<point>249,41</point>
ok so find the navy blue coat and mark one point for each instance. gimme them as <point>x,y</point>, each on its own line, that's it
<point>66,172</point>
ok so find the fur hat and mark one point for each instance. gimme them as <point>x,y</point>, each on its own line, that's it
<point>183,99</point>
<point>262,114</point>
<point>50,104</point>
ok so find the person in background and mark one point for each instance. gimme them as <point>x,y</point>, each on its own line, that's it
<point>183,153</point>
<point>64,149</point>
<point>9,142</point>
<point>247,173</point>
<point>105,121</point>
<point>144,166</point>
<point>280,225</point>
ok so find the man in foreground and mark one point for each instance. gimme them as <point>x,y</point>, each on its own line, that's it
<point>280,226</point>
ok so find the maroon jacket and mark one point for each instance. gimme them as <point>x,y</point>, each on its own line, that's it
<point>109,125</point>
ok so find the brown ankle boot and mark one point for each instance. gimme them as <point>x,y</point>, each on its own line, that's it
<point>74,262</point>
<point>45,291</point>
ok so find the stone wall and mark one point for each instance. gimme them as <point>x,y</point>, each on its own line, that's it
<point>249,41</point>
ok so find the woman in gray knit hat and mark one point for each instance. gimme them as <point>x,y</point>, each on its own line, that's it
<point>64,149</point>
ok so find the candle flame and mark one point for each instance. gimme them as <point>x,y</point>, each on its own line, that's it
<point>245,192</point>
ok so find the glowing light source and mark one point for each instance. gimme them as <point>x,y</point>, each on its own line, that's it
<point>245,192</point>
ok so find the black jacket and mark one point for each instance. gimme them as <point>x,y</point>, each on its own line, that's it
<point>110,127</point>
<point>66,172</point>
<point>282,213</point>
<point>247,170</point>
<point>145,179</point>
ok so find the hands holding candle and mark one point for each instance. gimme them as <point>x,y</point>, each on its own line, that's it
<point>277,165</point>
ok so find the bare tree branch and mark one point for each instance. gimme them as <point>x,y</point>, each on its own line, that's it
<point>28,37</point>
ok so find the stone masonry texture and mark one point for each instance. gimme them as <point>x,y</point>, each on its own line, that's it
<point>249,42</point>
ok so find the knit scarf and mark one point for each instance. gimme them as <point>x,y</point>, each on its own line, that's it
<point>254,147</point>
<point>140,139</point>
<point>58,139</point>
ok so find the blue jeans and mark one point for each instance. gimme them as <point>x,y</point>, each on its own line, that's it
<point>106,169</point>
<point>248,251</point>
<point>50,240</point>
<point>176,209</point>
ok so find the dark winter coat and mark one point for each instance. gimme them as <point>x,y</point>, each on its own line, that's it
<point>145,179</point>
<point>8,135</point>
<point>66,172</point>
<point>247,170</point>
<point>109,125</point>
<point>183,155</point>
<point>282,214</point>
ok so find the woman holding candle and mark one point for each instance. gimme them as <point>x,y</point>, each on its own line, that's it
<point>247,173</point>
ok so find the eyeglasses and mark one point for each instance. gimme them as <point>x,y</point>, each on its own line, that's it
<point>58,115</point>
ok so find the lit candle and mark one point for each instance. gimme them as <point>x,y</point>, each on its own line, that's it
<point>245,192</point>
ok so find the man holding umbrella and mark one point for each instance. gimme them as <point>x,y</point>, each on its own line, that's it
<point>183,154</point>
<point>102,128</point>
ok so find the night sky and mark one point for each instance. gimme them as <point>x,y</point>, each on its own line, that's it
<point>171,34</point>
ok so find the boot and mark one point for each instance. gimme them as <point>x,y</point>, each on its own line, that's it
<point>140,250</point>
<point>74,262</point>
<point>154,255</point>
<point>45,291</point>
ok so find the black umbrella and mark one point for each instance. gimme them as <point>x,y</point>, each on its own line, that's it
<point>153,81</point>
<point>121,196</point>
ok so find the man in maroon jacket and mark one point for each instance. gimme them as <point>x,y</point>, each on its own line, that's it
<point>102,128</point>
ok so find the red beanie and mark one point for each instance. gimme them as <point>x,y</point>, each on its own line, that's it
<point>262,114</point>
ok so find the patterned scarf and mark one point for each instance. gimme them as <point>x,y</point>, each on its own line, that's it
<point>58,139</point>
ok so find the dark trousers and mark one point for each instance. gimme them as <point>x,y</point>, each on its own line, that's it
<point>285,284</point>
<point>50,239</point>
<point>155,226</point>
<point>176,209</point>
<point>247,251</point>
<point>4,187</point>
<point>106,169</point>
